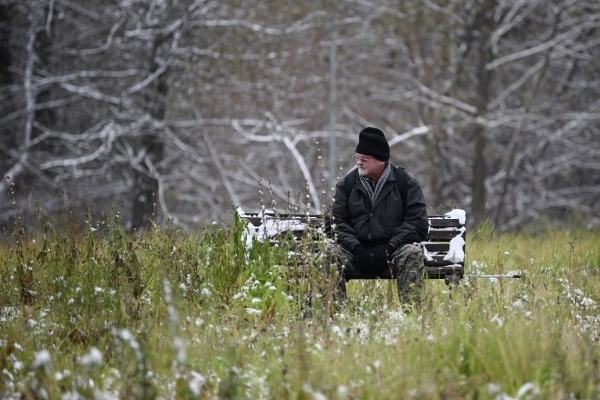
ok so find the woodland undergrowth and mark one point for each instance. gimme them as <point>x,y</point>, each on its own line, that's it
<point>90,311</point>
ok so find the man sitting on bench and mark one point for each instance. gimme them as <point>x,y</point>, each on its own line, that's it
<point>379,213</point>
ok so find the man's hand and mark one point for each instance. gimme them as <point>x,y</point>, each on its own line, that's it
<point>379,262</point>
<point>362,257</point>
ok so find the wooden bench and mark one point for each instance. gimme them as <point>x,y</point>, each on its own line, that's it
<point>444,245</point>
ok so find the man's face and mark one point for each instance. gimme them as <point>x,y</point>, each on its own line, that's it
<point>369,166</point>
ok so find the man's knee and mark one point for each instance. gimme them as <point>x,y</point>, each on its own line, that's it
<point>413,250</point>
<point>409,257</point>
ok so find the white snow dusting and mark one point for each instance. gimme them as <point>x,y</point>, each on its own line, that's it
<point>93,358</point>
<point>459,214</point>
<point>456,253</point>
<point>41,359</point>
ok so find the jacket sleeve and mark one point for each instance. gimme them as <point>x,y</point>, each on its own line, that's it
<point>416,224</point>
<point>345,235</point>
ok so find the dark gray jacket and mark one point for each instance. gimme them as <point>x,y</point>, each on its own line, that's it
<point>356,222</point>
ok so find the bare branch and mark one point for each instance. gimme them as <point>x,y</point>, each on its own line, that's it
<point>107,132</point>
<point>554,43</point>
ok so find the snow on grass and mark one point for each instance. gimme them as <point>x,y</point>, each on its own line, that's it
<point>92,359</point>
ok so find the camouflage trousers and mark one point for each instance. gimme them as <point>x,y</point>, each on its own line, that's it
<point>407,267</point>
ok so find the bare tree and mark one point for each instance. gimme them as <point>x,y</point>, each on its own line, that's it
<point>179,109</point>
<point>490,78</point>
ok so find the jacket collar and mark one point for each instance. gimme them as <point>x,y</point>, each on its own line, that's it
<point>384,191</point>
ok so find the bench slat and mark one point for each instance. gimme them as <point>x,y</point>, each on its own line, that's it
<point>436,247</point>
<point>434,235</point>
<point>443,222</point>
<point>438,261</point>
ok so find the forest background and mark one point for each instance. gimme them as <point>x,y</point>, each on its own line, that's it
<point>184,110</point>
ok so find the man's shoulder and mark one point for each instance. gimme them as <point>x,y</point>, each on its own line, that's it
<point>348,181</point>
<point>410,179</point>
<point>397,170</point>
<point>351,175</point>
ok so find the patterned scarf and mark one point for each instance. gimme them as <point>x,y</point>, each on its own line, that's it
<point>382,180</point>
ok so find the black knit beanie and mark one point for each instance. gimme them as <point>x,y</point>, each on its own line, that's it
<point>372,142</point>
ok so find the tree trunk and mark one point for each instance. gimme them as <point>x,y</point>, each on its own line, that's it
<point>6,80</point>
<point>485,26</point>
<point>144,199</point>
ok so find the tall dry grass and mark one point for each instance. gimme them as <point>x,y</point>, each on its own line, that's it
<point>88,311</point>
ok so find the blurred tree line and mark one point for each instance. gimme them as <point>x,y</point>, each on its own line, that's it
<point>185,109</point>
